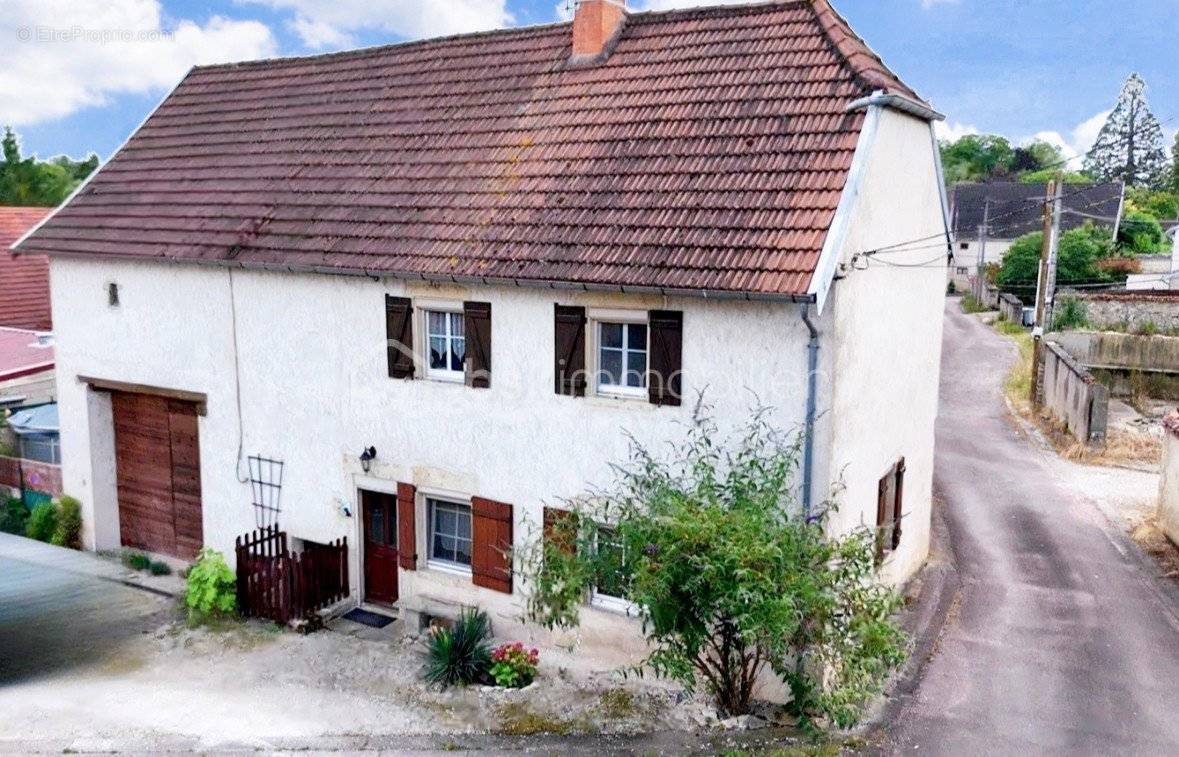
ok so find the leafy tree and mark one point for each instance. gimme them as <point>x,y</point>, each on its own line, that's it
<point>977,157</point>
<point>1130,145</point>
<point>1140,233</point>
<point>1077,259</point>
<point>28,181</point>
<point>1175,165</point>
<point>728,579</point>
<point>1163,205</point>
<point>1044,175</point>
<point>1037,155</point>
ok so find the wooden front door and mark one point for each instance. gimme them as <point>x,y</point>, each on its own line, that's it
<point>379,511</point>
<point>158,473</point>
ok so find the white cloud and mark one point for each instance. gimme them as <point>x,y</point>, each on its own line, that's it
<point>58,56</point>
<point>1080,139</point>
<point>927,4</point>
<point>329,23</point>
<point>663,5</point>
<point>953,131</point>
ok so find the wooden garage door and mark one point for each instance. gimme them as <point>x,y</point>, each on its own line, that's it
<point>159,474</point>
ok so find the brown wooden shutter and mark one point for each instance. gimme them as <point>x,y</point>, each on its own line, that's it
<point>477,317</point>
<point>569,371</point>
<point>399,333</point>
<point>407,540</point>
<point>559,526</point>
<point>898,502</point>
<point>881,516</point>
<point>666,357</point>
<point>491,544</point>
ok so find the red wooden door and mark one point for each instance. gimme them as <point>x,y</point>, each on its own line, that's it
<point>380,546</point>
<point>158,467</point>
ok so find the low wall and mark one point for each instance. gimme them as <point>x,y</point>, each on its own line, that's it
<point>1121,352</point>
<point>1074,396</point>
<point>31,475</point>
<point>1168,508</point>
<point>990,296</point>
<point>1011,308</point>
<point>1132,310</point>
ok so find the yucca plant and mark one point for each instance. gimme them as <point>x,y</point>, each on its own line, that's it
<point>460,656</point>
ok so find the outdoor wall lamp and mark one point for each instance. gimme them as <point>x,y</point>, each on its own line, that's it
<point>367,457</point>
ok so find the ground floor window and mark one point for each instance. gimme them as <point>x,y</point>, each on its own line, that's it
<point>612,577</point>
<point>450,533</point>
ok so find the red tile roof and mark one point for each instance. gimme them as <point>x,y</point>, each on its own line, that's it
<point>24,280</point>
<point>22,355</point>
<point>707,152</point>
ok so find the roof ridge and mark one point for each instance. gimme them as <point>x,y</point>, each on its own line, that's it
<point>853,50</point>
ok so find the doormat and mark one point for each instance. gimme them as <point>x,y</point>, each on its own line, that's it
<point>367,618</point>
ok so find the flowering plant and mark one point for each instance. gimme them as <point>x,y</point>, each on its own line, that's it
<point>512,666</point>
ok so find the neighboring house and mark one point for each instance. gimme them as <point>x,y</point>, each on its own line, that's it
<point>1012,209</point>
<point>29,453</point>
<point>24,279</point>
<point>443,282</point>
<point>26,368</point>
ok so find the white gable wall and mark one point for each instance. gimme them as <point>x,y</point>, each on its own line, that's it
<point>887,338</point>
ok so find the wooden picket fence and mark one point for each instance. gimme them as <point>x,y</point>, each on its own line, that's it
<point>274,583</point>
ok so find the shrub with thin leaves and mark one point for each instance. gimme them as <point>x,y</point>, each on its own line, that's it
<point>14,516</point>
<point>212,587</point>
<point>460,656</point>
<point>42,522</point>
<point>68,531</point>
<point>729,580</point>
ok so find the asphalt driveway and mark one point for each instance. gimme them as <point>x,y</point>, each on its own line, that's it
<point>1059,641</point>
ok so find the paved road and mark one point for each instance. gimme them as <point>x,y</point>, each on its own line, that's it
<point>56,616</point>
<point>1058,642</point>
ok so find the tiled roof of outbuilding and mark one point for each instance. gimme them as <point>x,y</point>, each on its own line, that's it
<point>707,152</point>
<point>24,280</point>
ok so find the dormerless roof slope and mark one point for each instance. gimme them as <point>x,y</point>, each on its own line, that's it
<point>706,153</point>
<point>24,279</point>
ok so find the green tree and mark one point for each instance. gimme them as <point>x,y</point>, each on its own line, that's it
<point>728,579</point>
<point>1080,250</point>
<point>28,181</point>
<point>1140,232</point>
<point>1163,205</point>
<point>1044,175</point>
<point>1037,155</point>
<point>1175,165</point>
<point>1129,147</point>
<point>977,157</point>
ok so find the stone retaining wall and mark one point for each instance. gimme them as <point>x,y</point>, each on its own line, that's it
<point>1011,308</point>
<point>1122,352</point>
<point>1074,396</point>
<point>1131,310</point>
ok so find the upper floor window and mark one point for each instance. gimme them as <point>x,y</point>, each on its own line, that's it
<point>446,345</point>
<point>622,358</point>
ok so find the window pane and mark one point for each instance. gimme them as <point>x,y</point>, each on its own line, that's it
<point>458,351</point>
<point>376,524</point>
<point>611,575</point>
<point>611,335</point>
<point>443,547</point>
<point>463,525</point>
<point>444,521</point>
<point>636,369</point>
<point>462,552</point>
<point>437,352</point>
<point>436,323</point>
<point>610,368</point>
<point>456,324</point>
<point>636,336</point>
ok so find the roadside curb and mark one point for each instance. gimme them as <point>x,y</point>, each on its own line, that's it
<point>924,620</point>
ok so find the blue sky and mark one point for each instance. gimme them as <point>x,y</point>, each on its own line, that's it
<point>1016,67</point>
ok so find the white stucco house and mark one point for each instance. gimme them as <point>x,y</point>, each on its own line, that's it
<point>480,262</point>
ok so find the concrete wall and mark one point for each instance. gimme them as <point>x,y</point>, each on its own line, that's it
<point>1116,351</point>
<point>1011,308</point>
<point>1131,310</point>
<point>1073,396</point>
<point>1168,507</point>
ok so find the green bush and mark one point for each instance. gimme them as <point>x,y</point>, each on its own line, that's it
<point>1070,313</point>
<point>970,304</point>
<point>136,560</point>
<point>68,532</point>
<point>460,656</point>
<point>14,516</point>
<point>42,522</point>
<point>212,587</point>
<point>160,569</point>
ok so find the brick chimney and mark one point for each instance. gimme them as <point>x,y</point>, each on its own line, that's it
<point>596,25</point>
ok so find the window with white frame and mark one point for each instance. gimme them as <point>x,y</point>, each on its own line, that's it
<point>446,345</point>
<point>450,533</point>
<point>611,575</point>
<point>621,358</point>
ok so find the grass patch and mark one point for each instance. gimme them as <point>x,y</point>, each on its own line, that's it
<point>518,719</point>
<point>136,560</point>
<point>971,304</point>
<point>617,703</point>
<point>1018,384</point>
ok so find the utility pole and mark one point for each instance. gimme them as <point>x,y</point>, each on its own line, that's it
<point>1053,252</point>
<point>980,266</point>
<point>1041,290</point>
